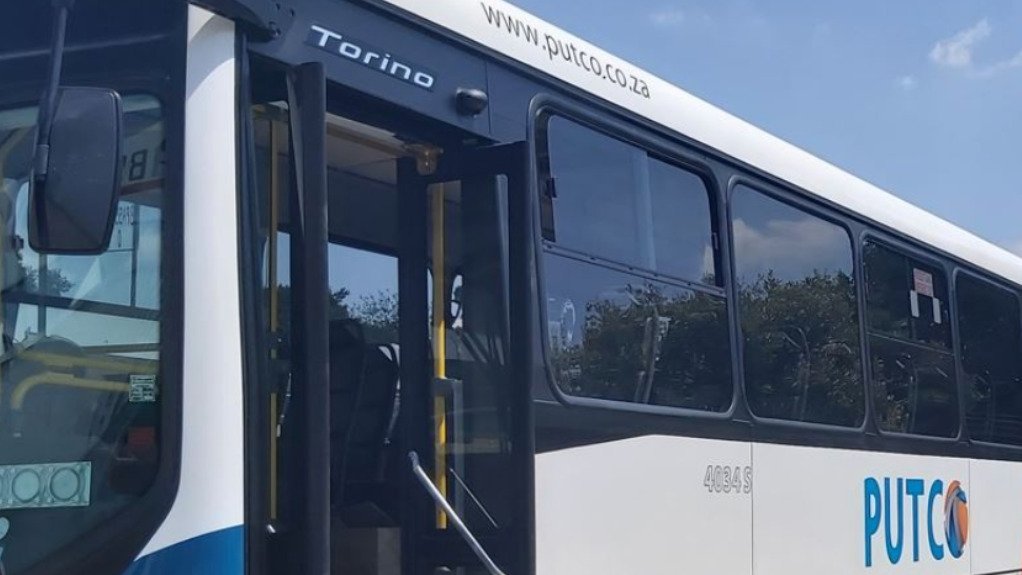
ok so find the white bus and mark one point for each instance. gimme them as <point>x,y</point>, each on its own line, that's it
<point>379,287</point>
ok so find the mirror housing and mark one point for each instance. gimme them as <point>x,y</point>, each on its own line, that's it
<point>73,198</point>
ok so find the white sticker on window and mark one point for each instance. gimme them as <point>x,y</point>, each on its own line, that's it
<point>142,388</point>
<point>45,485</point>
<point>936,311</point>
<point>923,282</point>
<point>913,298</point>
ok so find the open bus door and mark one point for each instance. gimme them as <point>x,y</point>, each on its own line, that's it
<point>466,399</point>
<point>358,387</point>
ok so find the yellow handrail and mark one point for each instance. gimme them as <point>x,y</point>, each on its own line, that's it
<point>439,350</point>
<point>62,380</point>
<point>116,365</point>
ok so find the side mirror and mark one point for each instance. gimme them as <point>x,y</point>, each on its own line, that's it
<point>72,209</point>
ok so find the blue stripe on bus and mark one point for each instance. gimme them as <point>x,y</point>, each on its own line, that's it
<point>216,553</point>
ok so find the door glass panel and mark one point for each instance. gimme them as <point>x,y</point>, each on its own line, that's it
<point>472,378</point>
<point>363,286</point>
<point>466,268</point>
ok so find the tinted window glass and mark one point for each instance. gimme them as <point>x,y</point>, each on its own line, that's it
<point>682,236</point>
<point>621,228</point>
<point>913,370</point>
<point>618,336</point>
<point>610,199</point>
<point>988,319</point>
<point>799,313</point>
<point>81,385</point>
<point>363,286</point>
<point>913,388</point>
<point>906,298</point>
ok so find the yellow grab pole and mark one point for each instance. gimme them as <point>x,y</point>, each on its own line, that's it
<point>439,351</point>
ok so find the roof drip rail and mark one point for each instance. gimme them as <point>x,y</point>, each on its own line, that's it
<point>261,18</point>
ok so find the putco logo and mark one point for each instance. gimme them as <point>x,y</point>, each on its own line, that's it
<point>945,534</point>
<point>361,53</point>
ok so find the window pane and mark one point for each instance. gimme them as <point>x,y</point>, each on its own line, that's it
<point>682,235</point>
<point>80,380</point>
<point>910,338</point>
<point>595,208</point>
<point>363,286</point>
<point>905,298</point>
<point>799,313</point>
<point>913,388</point>
<point>988,319</point>
<point>621,337</point>
<point>615,202</point>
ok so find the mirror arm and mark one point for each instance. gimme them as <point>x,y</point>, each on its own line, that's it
<point>48,105</point>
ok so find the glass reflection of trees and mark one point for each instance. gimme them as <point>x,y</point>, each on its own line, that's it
<point>640,341</point>
<point>798,311</point>
<point>801,348</point>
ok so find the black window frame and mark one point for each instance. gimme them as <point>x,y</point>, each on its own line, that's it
<point>656,146</point>
<point>738,422</point>
<point>821,212</point>
<point>958,272</point>
<point>947,268</point>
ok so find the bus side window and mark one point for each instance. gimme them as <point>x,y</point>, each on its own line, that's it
<point>634,310</point>
<point>799,314</point>
<point>988,319</point>
<point>913,366</point>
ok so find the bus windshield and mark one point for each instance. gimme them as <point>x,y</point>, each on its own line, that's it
<point>80,349</point>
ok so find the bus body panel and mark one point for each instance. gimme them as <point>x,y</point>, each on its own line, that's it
<point>203,533</point>
<point>855,512</point>
<point>644,505</point>
<point>657,504</point>
<point>995,515</point>
<point>384,60</point>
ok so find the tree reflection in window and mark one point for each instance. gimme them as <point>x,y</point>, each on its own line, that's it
<point>621,337</point>
<point>798,313</point>
<point>635,312</point>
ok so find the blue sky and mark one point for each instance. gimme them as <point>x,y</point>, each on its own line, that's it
<point>921,97</point>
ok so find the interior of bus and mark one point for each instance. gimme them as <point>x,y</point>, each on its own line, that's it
<point>460,290</point>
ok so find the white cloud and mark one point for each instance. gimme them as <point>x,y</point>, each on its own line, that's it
<point>956,51</point>
<point>998,67</point>
<point>668,17</point>
<point>907,82</point>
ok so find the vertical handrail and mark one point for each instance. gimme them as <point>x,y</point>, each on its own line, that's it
<point>452,516</point>
<point>439,345</point>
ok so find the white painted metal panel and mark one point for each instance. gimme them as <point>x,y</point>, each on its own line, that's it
<point>640,506</point>
<point>995,511</point>
<point>810,512</point>
<point>211,492</point>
